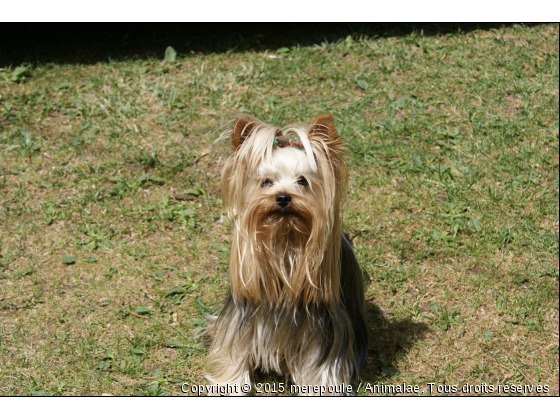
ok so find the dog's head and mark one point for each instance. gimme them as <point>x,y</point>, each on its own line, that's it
<point>284,180</point>
<point>281,189</point>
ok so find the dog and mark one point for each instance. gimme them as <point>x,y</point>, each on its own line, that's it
<point>296,304</point>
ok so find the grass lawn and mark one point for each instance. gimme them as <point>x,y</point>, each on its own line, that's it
<point>114,242</point>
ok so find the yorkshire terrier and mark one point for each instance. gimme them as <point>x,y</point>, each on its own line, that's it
<point>296,301</point>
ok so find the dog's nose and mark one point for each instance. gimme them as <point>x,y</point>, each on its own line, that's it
<point>283,200</point>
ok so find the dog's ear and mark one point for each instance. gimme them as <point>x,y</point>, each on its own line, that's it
<point>242,128</point>
<point>331,151</point>
<point>322,129</point>
<point>323,126</point>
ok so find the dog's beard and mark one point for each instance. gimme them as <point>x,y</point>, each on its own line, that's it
<point>281,250</point>
<point>286,230</point>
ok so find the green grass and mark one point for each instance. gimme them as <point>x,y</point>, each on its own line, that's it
<point>453,206</point>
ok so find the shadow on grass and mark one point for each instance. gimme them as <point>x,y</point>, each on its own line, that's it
<point>388,341</point>
<point>90,43</point>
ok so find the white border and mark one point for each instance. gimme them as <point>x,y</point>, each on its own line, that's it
<point>272,408</point>
<point>278,11</point>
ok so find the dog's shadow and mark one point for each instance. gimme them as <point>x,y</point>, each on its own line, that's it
<point>388,342</point>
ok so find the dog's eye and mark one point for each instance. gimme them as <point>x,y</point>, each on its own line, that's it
<point>302,181</point>
<point>266,183</point>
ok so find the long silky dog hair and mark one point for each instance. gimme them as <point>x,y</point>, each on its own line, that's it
<point>296,300</point>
